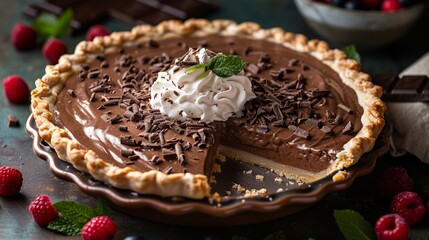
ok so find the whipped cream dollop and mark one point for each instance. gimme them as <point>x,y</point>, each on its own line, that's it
<point>199,94</point>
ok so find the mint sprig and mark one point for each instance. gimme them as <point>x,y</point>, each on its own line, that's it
<point>352,225</point>
<point>221,65</point>
<point>74,215</point>
<point>352,53</point>
<point>48,25</point>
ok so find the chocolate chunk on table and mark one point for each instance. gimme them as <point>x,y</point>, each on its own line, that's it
<point>88,12</point>
<point>12,121</point>
<point>408,88</point>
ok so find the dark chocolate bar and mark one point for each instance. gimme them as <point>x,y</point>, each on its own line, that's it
<point>408,88</point>
<point>88,12</point>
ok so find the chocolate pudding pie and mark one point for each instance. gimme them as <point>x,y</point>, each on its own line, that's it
<point>149,110</point>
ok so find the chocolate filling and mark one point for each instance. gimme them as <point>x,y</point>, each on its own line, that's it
<point>297,118</point>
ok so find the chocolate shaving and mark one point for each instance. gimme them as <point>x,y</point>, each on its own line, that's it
<point>152,44</point>
<point>168,154</point>
<point>278,112</point>
<point>345,108</point>
<point>348,129</point>
<point>161,138</point>
<point>131,97</point>
<point>168,170</point>
<point>253,69</point>
<point>133,157</point>
<point>111,102</point>
<point>338,120</point>
<point>151,145</point>
<point>278,123</point>
<point>327,130</point>
<point>127,152</point>
<point>92,97</point>
<point>179,153</point>
<point>156,160</point>
<point>71,93</point>
<point>93,73</point>
<point>123,128</point>
<point>293,62</point>
<point>12,121</point>
<point>115,120</point>
<point>300,132</point>
<point>314,123</point>
<point>203,137</point>
<point>128,140</point>
<point>99,88</point>
<point>278,75</point>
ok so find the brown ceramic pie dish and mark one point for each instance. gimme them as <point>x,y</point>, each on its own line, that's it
<point>231,212</point>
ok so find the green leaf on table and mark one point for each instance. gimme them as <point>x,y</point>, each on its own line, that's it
<point>353,226</point>
<point>65,226</point>
<point>48,25</point>
<point>76,212</point>
<point>352,53</point>
<point>226,66</point>
<point>276,236</point>
<point>101,209</point>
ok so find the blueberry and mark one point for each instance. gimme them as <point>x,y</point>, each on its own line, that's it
<point>407,3</point>
<point>338,3</point>
<point>133,237</point>
<point>353,4</point>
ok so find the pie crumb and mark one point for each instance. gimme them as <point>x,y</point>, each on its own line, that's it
<point>221,157</point>
<point>339,176</point>
<point>259,177</point>
<point>278,180</point>
<point>212,179</point>
<point>216,168</point>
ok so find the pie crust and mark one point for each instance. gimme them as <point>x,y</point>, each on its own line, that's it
<point>195,186</point>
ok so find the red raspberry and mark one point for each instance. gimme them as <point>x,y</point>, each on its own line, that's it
<point>10,181</point>
<point>371,4</point>
<point>99,228</point>
<point>95,31</point>
<point>393,181</point>
<point>53,50</point>
<point>409,206</point>
<point>16,89</point>
<point>23,37</point>
<point>391,227</point>
<point>390,5</point>
<point>42,210</point>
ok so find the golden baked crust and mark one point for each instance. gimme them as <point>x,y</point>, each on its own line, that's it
<point>181,184</point>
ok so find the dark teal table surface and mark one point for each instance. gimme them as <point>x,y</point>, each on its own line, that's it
<point>315,222</point>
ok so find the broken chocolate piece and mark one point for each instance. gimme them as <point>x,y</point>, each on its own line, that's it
<point>408,88</point>
<point>12,121</point>
<point>86,13</point>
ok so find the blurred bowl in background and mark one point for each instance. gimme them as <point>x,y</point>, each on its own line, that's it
<point>363,28</point>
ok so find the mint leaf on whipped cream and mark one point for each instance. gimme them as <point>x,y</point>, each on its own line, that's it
<point>352,225</point>
<point>226,66</point>
<point>194,68</point>
<point>221,65</point>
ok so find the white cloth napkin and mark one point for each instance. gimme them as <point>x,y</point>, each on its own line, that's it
<point>410,121</point>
